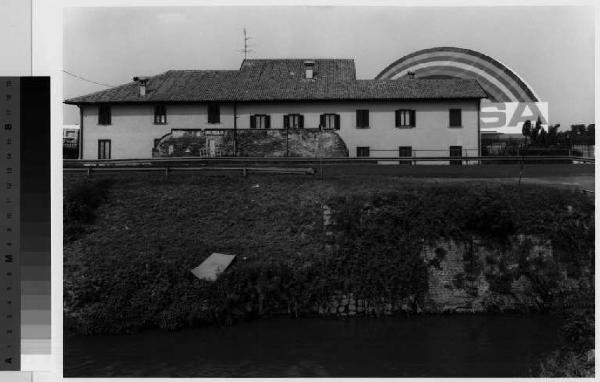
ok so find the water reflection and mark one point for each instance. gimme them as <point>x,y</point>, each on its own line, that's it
<point>426,346</point>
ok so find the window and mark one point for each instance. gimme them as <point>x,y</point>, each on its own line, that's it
<point>260,121</point>
<point>293,121</point>
<point>456,151</point>
<point>330,121</point>
<point>104,149</point>
<point>455,118</point>
<point>405,152</point>
<point>362,151</point>
<point>405,118</point>
<point>160,114</point>
<point>214,114</point>
<point>104,115</point>
<point>362,119</point>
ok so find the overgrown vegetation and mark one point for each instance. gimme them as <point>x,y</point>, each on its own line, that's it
<point>81,202</point>
<point>132,270</point>
<point>575,359</point>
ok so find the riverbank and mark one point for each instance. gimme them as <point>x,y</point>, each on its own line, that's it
<point>302,242</point>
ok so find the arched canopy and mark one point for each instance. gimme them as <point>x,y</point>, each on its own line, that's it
<point>501,83</point>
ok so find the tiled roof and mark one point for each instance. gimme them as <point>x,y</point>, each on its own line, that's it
<point>281,80</point>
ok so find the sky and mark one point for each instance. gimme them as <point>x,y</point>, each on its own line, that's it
<point>551,48</point>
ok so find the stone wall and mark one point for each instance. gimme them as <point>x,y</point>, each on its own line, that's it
<point>467,277</point>
<point>471,276</point>
<point>251,143</point>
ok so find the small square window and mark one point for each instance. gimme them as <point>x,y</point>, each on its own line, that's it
<point>455,118</point>
<point>405,152</point>
<point>405,118</point>
<point>260,121</point>
<point>293,121</point>
<point>362,119</point>
<point>160,114</point>
<point>363,151</point>
<point>330,121</point>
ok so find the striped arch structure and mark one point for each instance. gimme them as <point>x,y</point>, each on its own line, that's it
<point>501,83</point>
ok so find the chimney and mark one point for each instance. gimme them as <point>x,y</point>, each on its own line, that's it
<point>411,75</point>
<point>309,67</point>
<point>142,81</point>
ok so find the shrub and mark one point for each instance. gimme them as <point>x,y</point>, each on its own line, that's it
<point>80,203</point>
<point>118,280</point>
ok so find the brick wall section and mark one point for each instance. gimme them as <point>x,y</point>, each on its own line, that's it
<point>454,287</point>
<point>252,143</point>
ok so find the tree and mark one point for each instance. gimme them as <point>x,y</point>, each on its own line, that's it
<point>578,129</point>
<point>526,130</point>
<point>552,137</point>
<point>537,131</point>
<point>542,138</point>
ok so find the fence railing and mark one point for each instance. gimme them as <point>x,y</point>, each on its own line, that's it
<point>162,162</point>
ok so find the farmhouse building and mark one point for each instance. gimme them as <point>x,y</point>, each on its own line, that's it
<point>280,107</point>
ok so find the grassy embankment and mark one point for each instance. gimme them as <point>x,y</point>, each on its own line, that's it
<point>128,253</point>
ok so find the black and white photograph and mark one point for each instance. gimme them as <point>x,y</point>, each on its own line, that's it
<point>336,191</point>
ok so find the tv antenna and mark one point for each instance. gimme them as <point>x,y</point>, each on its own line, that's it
<point>247,46</point>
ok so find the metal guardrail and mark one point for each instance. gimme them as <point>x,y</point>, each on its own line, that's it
<point>168,169</point>
<point>187,161</point>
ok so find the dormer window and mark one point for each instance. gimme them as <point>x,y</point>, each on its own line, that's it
<point>309,67</point>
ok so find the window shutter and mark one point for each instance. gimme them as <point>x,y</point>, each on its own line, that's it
<point>300,121</point>
<point>397,118</point>
<point>337,121</point>
<point>267,121</point>
<point>413,118</point>
<point>322,121</point>
<point>358,118</point>
<point>286,121</point>
<point>253,122</point>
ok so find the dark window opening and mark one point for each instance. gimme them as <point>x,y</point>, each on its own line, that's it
<point>456,151</point>
<point>455,118</point>
<point>362,119</point>
<point>214,113</point>
<point>405,118</point>
<point>363,151</point>
<point>330,121</point>
<point>160,114</point>
<point>104,149</point>
<point>260,121</point>
<point>405,152</point>
<point>293,121</point>
<point>104,115</point>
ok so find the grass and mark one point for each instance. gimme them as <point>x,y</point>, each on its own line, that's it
<point>129,266</point>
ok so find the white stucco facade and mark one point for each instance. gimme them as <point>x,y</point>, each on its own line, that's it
<point>132,130</point>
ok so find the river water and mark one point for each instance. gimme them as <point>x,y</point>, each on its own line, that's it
<point>416,346</point>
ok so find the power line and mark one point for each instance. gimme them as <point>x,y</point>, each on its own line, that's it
<point>85,79</point>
